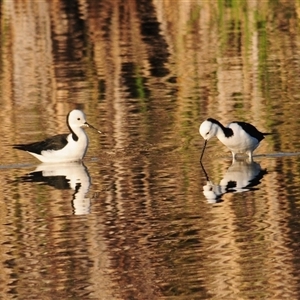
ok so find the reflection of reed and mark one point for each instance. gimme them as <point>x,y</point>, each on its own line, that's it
<point>250,232</point>
<point>222,257</point>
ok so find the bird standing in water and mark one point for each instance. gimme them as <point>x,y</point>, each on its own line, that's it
<point>238,137</point>
<point>62,147</point>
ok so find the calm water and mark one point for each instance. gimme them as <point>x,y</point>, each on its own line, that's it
<point>140,218</point>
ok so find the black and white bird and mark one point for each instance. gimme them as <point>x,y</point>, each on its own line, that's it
<point>238,137</point>
<point>62,147</point>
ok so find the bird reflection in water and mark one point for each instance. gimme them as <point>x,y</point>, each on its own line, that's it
<point>241,176</point>
<point>70,175</point>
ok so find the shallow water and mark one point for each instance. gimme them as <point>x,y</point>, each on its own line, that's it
<point>141,218</point>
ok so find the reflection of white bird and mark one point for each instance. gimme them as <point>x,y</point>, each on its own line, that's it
<point>241,176</point>
<point>62,147</point>
<point>212,192</point>
<point>239,137</point>
<point>72,175</point>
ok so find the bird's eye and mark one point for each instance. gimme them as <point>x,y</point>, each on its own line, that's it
<point>207,133</point>
<point>78,119</point>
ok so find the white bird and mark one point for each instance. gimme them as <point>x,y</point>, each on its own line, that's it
<point>239,137</point>
<point>62,147</point>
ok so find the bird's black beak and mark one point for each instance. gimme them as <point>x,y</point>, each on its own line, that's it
<point>89,125</point>
<point>203,150</point>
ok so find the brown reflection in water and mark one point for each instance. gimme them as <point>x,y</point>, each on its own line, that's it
<point>151,232</point>
<point>249,243</point>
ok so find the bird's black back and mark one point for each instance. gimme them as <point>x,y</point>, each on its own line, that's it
<point>251,130</point>
<point>55,142</point>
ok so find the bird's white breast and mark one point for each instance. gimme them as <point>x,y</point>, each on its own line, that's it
<point>73,151</point>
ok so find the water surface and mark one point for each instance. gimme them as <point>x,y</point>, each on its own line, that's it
<point>140,218</point>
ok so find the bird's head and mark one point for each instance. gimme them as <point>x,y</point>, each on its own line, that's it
<point>208,129</point>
